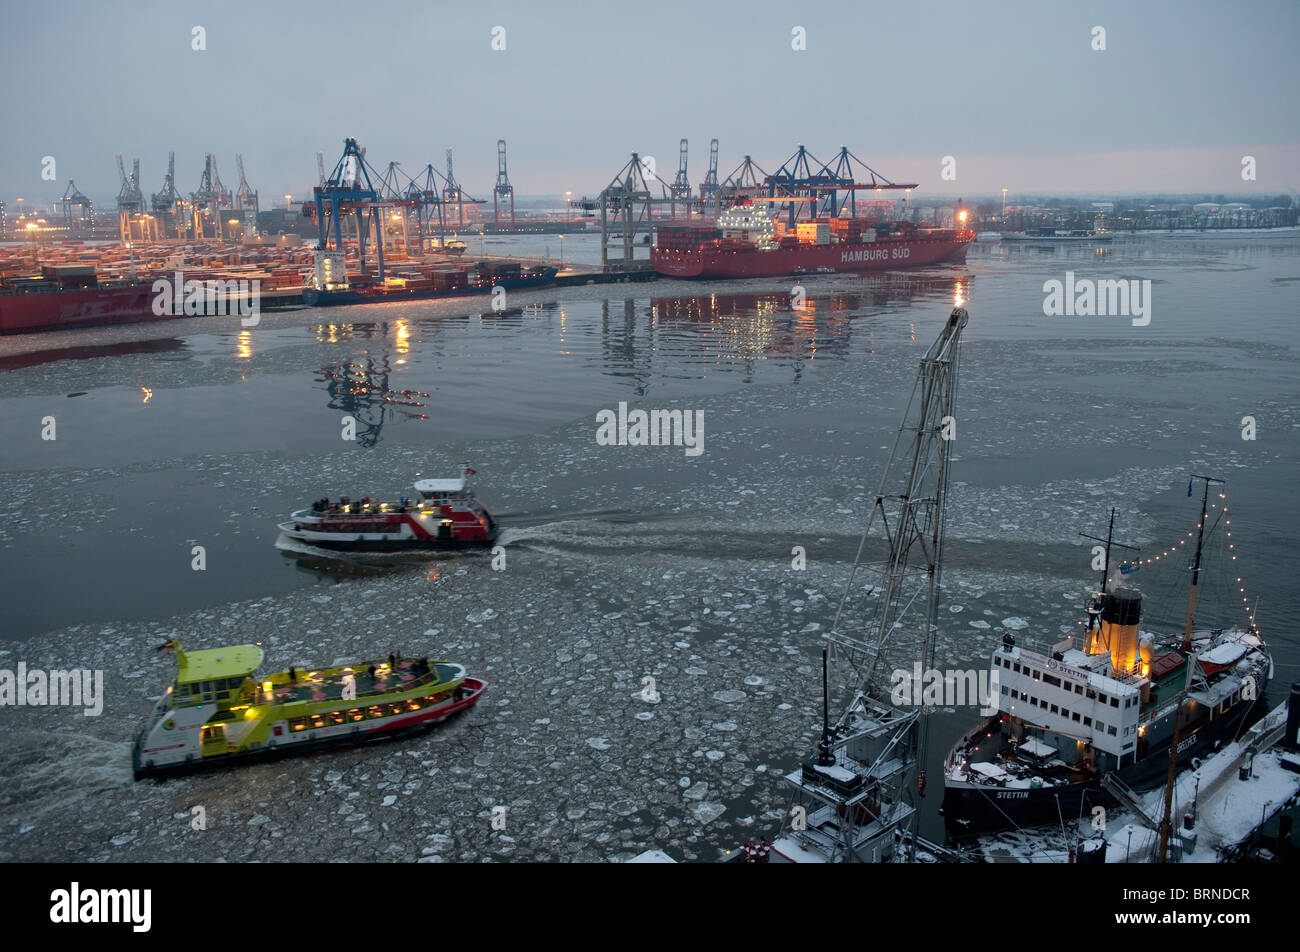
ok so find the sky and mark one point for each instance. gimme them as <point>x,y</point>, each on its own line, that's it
<point>1014,93</point>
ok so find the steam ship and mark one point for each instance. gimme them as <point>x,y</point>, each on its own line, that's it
<point>1087,724</point>
<point>749,241</point>
<point>445,516</point>
<point>216,712</point>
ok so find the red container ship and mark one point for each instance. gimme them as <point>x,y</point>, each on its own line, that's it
<point>749,242</point>
<point>70,297</point>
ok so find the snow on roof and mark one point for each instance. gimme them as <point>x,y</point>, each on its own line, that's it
<point>836,773</point>
<point>1036,748</point>
<point>790,849</point>
<point>1225,653</point>
<point>439,485</point>
<point>652,856</point>
<point>992,771</point>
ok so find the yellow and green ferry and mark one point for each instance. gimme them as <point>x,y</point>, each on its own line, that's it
<point>218,711</point>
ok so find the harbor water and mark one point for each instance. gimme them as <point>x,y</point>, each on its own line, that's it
<point>178,447</point>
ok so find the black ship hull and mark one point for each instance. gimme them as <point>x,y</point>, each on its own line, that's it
<point>972,809</point>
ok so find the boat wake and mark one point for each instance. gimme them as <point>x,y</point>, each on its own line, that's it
<point>58,769</point>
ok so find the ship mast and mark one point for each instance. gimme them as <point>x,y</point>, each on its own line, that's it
<point>1196,565</point>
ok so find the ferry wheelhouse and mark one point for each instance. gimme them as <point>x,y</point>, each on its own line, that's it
<point>446,515</point>
<point>219,711</point>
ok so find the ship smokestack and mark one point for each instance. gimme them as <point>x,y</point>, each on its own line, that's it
<point>1121,610</point>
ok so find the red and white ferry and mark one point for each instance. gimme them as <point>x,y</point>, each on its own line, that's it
<point>446,515</point>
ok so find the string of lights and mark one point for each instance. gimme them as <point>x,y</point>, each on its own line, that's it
<point>1232,553</point>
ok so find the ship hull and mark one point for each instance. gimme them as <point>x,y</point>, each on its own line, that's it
<point>974,809</point>
<point>709,261</point>
<point>391,730</point>
<point>88,307</point>
<point>378,294</point>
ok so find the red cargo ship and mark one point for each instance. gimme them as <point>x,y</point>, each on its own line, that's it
<point>748,242</point>
<point>70,297</point>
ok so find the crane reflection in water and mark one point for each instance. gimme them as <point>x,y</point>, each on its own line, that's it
<point>361,390</point>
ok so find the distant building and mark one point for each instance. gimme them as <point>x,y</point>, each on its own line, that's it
<point>4,223</point>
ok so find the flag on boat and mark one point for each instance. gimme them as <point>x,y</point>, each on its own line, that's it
<point>470,472</point>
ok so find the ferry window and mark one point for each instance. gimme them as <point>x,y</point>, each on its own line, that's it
<point>1114,702</point>
<point>207,687</point>
<point>1075,715</point>
<point>223,695</point>
<point>1078,689</point>
<point>1034,673</point>
<point>336,717</point>
<point>1016,667</point>
<point>1054,710</point>
<point>1087,722</point>
<point>1052,679</point>
<point>1110,729</point>
<point>1101,697</point>
<point>298,724</point>
<point>1092,695</point>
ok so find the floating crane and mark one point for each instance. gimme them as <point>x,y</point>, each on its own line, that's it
<point>680,190</point>
<point>859,795</point>
<point>246,200</point>
<point>503,189</point>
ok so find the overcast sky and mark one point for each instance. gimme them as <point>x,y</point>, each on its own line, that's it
<point>1014,92</point>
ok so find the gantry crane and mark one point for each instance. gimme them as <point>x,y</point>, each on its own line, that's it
<point>82,220</point>
<point>210,199</point>
<point>246,201</point>
<point>348,190</point>
<point>167,203</point>
<point>709,187</point>
<point>130,204</point>
<point>680,190</point>
<point>503,189</point>
<point>630,200</point>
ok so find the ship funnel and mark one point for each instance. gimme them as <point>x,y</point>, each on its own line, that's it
<point>1121,610</point>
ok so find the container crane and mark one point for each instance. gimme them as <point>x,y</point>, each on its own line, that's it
<point>680,190</point>
<point>79,221</point>
<point>130,201</point>
<point>167,203</point>
<point>349,190</point>
<point>503,189</point>
<point>709,187</point>
<point>246,200</point>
